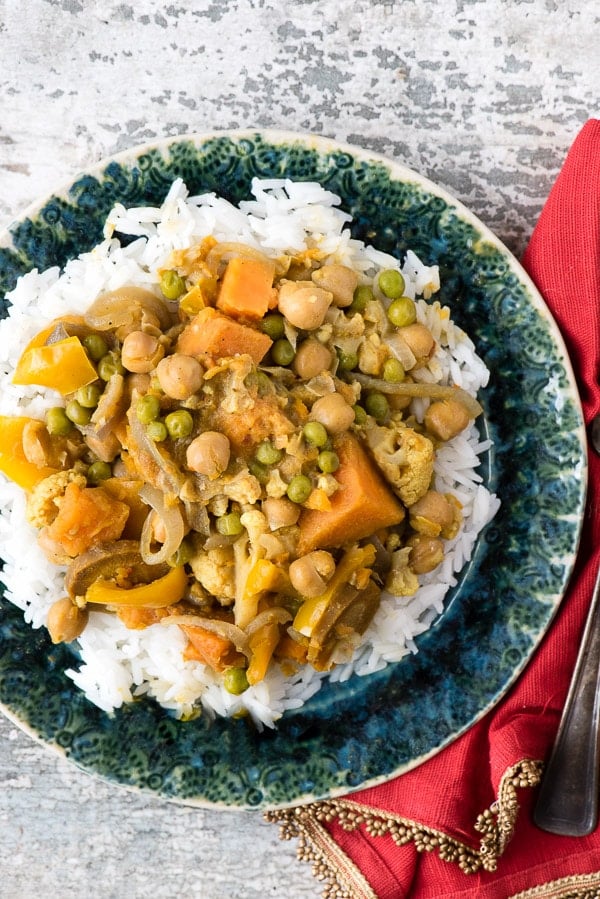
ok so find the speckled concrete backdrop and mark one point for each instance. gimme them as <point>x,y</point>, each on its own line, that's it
<point>482,96</point>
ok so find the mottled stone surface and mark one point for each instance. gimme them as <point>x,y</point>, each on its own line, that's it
<point>482,97</point>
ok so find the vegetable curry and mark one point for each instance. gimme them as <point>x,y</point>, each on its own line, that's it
<point>234,455</point>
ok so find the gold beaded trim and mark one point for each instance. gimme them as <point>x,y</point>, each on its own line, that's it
<point>345,881</point>
<point>581,886</point>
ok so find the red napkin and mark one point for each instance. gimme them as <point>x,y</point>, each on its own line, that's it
<point>461,823</point>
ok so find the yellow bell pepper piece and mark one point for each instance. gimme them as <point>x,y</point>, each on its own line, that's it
<point>13,462</point>
<point>62,366</point>
<point>310,612</point>
<point>262,646</point>
<point>158,594</point>
<point>193,301</point>
<point>266,576</point>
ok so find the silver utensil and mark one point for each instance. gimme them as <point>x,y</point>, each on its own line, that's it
<point>568,799</point>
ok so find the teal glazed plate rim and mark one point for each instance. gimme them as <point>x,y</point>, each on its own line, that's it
<point>368,729</point>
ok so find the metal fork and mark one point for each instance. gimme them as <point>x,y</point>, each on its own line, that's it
<point>568,799</point>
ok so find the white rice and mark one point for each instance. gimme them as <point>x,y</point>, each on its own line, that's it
<point>118,664</point>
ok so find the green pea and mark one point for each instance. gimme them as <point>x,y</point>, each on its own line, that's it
<point>268,454</point>
<point>57,422</point>
<point>360,416</point>
<point>110,365</point>
<point>183,554</point>
<point>299,488</point>
<point>377,405</point>
<point>157,431</point>
<point>179,424</point>
<point>230,525</point>
<point>362,295</point>
<point>282,352</point>
<point>393,370</point>
<point>272,325</point>
<point>391,283</point>
<point>328,461</point>
<point>96,346</point>
<point>263,383</point>
<point>88,396</point>
<point>259,470</point>
<point>98,471</point>
<point>147,408</point>
<point>347,361</point>
<point>315,433</point>
<point>402,312</point>
<point>235,681</point>
<point>172,284</point>
<point>77,413</point>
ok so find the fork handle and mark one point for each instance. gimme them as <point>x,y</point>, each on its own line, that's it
<point>567,803</point>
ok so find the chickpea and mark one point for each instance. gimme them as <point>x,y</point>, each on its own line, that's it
<point>280,512</point>
<point>141,352</point>
<point>432,514</point>
<point>426,554</point>
<point>311,359</point>
<point>333,412</point>
<point>309,574</point>
<point>445,419</point>
<point>209,454</point>
<point>303,304</point>
<point>340,280</point>
<point>420,340</point>
<point>66,621</point>
<point>180,376</point>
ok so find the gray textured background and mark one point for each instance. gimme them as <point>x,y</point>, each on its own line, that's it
<point>482,96</point>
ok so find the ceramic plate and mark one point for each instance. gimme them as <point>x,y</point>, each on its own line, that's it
<point>367,729</point>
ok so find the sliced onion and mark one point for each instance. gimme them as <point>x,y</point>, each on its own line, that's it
<point>171,477</point>
<point>222,628</point>
<point>401,351</point>
<point>172,520</point>
<point>118,307</point>
<point>269,616</point>
<point>225,251</point>
<point>411,388</point>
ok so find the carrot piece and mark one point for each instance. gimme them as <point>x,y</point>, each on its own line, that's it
<point>86,516</point>
<point>217,335</point>
<point>213,650</point>
<point>362,505</point>
<point>247,288</point>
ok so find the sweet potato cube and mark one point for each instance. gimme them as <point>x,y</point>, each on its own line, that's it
<point>217,335</point>
<point>247,288</point>
<point>363,504</point>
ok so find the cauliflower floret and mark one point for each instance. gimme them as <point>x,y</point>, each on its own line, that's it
<point>243,488</point>
<point>405,459</point>
<point>214,569</point>
<point>401,581</point>
<point>256,525</point>
<point>372,353</point>
<point>232,393</point>
<point>44,499</point>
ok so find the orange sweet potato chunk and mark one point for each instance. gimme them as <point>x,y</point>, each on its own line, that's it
<point>363,504</point>
<point>87,516</point>
<point>247,288</point>
<point>214,333</point>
